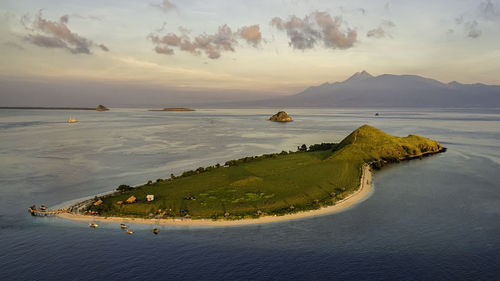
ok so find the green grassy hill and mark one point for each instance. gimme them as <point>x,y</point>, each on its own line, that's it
<point>270,184</point>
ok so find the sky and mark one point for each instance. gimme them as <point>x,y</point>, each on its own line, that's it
<point>241,48</point>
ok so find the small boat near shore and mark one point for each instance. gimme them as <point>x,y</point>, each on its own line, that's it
<point>93,225</point>
<point>156,231</point>
<point>123,226</point>
<point>130,232</point>
<point>72,120</point>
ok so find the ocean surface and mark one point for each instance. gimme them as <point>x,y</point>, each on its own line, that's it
<point>431,219</point>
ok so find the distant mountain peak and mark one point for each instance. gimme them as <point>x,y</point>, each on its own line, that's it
<point>358,76</point>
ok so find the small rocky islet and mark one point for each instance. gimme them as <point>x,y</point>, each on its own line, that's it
<point>281,116</point>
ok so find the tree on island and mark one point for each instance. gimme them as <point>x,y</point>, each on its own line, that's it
<point>302,148</point>
<point>124,187</point>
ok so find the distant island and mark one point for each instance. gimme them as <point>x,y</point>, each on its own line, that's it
<point>173,109</point>
<point>98,108</point>
<point>387,90</point>
<point>281,117</point>
<point>316,179</point>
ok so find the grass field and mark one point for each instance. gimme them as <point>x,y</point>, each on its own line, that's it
<point>270,184</point>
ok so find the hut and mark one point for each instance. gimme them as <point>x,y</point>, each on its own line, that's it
<point>131,199</point>
<point>226,214</point>
<point>150,197</point>
<point>98,202</point>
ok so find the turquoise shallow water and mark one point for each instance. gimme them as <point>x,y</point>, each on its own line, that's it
<point>431,219</point>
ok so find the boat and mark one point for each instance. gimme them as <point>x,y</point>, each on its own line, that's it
<point>123,226</point>
<point>72,120</point>
<point>93,225</point>
<point>130,231</point>
<point>156,231</point>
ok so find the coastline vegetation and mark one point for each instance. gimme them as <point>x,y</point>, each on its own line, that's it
<point>269,184</point>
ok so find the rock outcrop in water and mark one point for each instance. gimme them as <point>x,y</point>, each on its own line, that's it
<point>101,108</point>
<point>281,117</point>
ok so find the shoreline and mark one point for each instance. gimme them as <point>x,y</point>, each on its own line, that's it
<point>359,194</point>
<point>49,108</point>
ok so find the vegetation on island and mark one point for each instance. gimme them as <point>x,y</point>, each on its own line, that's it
<point>281,117</point>
<point>270,184</point>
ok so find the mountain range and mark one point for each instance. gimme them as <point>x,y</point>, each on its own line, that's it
<point>387,90</point>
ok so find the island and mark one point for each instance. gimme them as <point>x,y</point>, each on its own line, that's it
<point>281,117</point>
<point>312,180</point>
<point>173,109</point>
<point>101,108</point>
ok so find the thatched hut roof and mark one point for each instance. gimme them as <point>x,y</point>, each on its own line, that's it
<point>131,199</point>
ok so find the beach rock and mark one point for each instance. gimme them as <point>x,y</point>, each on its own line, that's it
<point>281,117</point>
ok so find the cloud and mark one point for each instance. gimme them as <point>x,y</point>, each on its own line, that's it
<point>382,30</point>
<point>488,11</point>
<point>52,34</point>
<point>165,6</point>
<point>306,33</point>
<point>103,47</point>
<point>224,40</point>
<point>472,29</point>
<point>251,34</point>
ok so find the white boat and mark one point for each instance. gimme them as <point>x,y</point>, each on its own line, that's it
<point>130,231</point>
<point>93,225</point>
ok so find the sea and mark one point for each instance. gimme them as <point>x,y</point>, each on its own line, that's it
<point>437,218</point>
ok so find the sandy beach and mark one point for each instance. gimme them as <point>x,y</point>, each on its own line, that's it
<point>359,194</point>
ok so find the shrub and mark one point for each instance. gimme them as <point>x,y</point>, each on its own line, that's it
<point>321,147</point>
<point>124,187</point>
<point>302,148</point>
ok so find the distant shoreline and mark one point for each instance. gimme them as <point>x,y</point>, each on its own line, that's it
<point>359,194</point>
<point>48,108</point>
<point>173,109</point>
